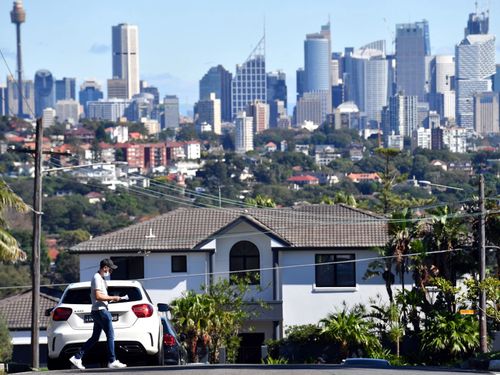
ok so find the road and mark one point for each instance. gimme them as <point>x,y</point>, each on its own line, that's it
<point>267,370</point>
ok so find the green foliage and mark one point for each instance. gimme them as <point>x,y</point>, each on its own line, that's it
<point>274,361</point>
<point>13,275</point>
<point>260,201</point>
<point>5,342</point>
<point>450,337</point>
<point>351,330</point>
<point>213,319</point>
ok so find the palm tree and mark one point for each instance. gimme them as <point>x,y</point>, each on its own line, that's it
<point>350,329</point>
<point>9,247</point>
<point>451,335</point>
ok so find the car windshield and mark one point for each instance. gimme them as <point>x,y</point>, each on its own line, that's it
<point>81,296</point>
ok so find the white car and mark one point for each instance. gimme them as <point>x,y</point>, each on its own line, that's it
<point>136,322</point>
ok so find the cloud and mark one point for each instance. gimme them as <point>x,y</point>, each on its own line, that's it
<point>99,48</point>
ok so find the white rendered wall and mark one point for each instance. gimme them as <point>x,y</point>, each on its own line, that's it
<point>246,232</point>
<point>303,303</point>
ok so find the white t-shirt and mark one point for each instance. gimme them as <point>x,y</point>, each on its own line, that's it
<point>98,283</point>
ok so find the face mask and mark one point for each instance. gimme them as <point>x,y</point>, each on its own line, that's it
<point>106,274</point>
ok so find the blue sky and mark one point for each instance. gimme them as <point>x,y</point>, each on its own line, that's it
<point>181,40</point>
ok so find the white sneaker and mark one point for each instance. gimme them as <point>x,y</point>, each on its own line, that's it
<point>77,362</point>
<point>116,364</point>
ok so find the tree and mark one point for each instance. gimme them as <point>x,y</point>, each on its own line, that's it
<point>261,201</point>
<point>5,342</point>
<point>450,337</point>
<point>351,330</point>
<point>213,320</point>
<point>9,247</point>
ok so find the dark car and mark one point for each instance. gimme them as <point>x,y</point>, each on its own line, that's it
<point>174,351</point>
<point>366,362</point>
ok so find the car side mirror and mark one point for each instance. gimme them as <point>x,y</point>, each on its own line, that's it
<point>163,307</point>
<point>48,311</point>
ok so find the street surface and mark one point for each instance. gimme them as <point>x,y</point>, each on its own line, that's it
<point>268,370</point>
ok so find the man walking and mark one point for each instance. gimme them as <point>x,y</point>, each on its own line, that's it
<point>101,316</point>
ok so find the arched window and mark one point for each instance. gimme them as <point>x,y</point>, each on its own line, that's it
<point>244,255</point>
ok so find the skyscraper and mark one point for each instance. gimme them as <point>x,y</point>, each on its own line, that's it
<point>442,85</point>
<point>475,64</point>
<point>27,97</point>
<point>486,113</point>
<point>65,89</point>
<point>243,140</point>
<point>89,91</point>
<point>478,23</point>
<point>300,77</point>
<point>259,111</point>
<point>209,112</point>
<point>218,80</point>
<point>412,47</point>
<point>171,112</point>
<point>276,95</point>
<point>125,50</point>
<point>317,66</point>
<point>3,101</point>
<point>249,83</point>
<point>403,115</point>
<point>44,91</point>
<point>370,81</point>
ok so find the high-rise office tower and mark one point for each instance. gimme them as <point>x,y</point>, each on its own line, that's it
<point>478,23</point>
<point>300,77</point>
<point>312,107</point>
<point>243,140</point>
<point>44,91</point>
<point>27,97</point>
<point>218,80</point>
<point>259,111</point>
<point>89,91</point>
<point>48,117</point>
<point>209,112</point>
<point>171,112</point>
<point>475,64</point>
<point>146,88</point>
<point>370,81</point>
<point>249,83</point>
<point>486,113</point>
<point>68,111</point>
<point>442,85</point>
<point>125,50</point>
<point>403,115</point>
<point>412,47</point>
<point>3,101</point>
<point>17,17</point>
<point>117,89</point>
<point>65,89</point>
<point>496,79</point>
<point>317,64</point>
<point>276,95</point>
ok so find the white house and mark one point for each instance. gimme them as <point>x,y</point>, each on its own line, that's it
<point>310,258</point>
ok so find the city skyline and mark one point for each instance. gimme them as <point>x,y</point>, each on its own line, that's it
<point>177,51</point>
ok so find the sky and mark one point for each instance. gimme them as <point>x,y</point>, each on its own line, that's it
<point>180,40</point>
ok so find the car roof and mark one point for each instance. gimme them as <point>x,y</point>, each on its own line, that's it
<point>86,284</point>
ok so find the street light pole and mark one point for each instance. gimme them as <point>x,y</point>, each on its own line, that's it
<point>483,334</point>
<point>35,256</point>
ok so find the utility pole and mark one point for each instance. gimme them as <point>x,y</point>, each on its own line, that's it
<point>37,231</point>
<point>35,256</point>
<point>483,334</point>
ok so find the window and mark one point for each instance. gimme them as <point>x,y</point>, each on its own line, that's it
<point>129,268</point>
<point>335,273</point>
<point>179,263</point>
<point>244,255</point>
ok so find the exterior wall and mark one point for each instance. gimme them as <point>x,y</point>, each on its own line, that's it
<point>164,285</point>
<point>303,303</point>
<point>245,232</point>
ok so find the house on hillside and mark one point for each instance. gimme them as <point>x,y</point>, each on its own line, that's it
<point>16,311</point>
<point>310,259</point>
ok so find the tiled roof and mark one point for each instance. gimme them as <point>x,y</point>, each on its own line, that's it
<point>17,310</point>
<point>304,226</point>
